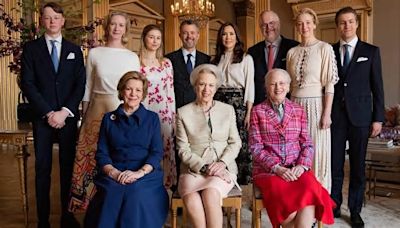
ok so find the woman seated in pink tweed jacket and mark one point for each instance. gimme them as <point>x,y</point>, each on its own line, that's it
<point>282,156</point>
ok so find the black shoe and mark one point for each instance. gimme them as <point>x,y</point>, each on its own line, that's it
<point>336,213</point>
<point>43,224</point>
<point>356,221</point>
<point>69,221</point>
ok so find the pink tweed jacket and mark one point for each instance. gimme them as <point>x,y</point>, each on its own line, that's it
<point>271,142</point>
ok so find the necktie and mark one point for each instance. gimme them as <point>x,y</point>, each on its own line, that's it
<point>189,66</point>
<point>280,112</point>
<point>270,57</point>
<point>54,54</point>
<point>346,58</point>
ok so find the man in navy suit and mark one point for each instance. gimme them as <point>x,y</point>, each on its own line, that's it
<point>184,91</point>
<point>271,29</point>
<point>357,111</point>
<point>189,34</point>
<point>53,80</point>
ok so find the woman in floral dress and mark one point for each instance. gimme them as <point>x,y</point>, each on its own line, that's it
<point>161,96</point>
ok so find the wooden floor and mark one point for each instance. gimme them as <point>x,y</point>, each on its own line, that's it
<point>11,213</point>
<point>378,212</point>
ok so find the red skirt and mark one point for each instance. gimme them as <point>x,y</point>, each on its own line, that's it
<point>281,198</point>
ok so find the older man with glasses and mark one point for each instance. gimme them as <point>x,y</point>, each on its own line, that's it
<point>270,53</point>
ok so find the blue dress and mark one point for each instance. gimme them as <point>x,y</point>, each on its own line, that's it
<point>129,142</point>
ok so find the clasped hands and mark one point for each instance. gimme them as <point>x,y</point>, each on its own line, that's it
<point>290,174</point>
<point>218,169</point>
<point>57,119</point>
<point>127,176</point>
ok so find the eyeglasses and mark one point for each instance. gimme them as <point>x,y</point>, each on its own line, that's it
<point>269,24</point>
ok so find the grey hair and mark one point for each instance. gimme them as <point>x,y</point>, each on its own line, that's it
<point>206,68</point>
<point>277,71</point>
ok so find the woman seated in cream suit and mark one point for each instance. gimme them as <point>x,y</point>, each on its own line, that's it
<point>208,143</point>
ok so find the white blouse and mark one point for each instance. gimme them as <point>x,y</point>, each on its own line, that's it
<point>238,75</point>
<point>105,66</point>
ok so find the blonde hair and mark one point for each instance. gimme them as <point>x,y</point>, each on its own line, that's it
<point>132,75</point>
<point>143,48</point>
<point>107,23</point>
<point>310,12</point>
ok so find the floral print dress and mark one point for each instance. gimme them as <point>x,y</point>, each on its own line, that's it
<point>161,100</point>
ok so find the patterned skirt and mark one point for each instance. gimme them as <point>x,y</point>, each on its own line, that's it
<point>235,97</point>
<point>321,139</point>
<point>82,186</point>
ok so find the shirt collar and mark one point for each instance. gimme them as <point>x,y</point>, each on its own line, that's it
<point>352,42</point>
<point>49,38</point>
<point>186,52</point>
<point>276,43</point>
<point>274,106</point>
<point>137,116</point>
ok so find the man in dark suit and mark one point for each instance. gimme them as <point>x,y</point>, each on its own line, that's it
<point>189,34</point>
<point>357,111</point>
<point>53,80</point>
<point>273,49</point>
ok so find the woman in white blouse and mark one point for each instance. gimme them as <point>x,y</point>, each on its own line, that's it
<point>237,88</point>
<point>105,65</point>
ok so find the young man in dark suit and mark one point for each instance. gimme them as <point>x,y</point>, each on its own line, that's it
<point>53,80</point>
<point>263,54</point>
<point>189,34</point>
<point>357,111</point>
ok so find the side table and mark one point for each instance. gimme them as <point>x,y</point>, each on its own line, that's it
<point>380,161</point>
<point>20,139</point>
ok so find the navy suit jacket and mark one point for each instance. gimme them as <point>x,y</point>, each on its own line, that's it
<point>360,88</point>
<point>46,89</point>
<point>260,64</point>
<point>184,92</point>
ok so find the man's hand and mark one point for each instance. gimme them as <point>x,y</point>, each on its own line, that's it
<point>376,128</point>
<point>57,119</point>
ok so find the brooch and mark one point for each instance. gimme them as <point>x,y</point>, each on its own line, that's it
<point>113,117</point>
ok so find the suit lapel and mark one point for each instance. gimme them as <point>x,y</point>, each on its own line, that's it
<point>63,56</point>
<point>276,124</point>
<point>281,53</point>
<point>336,49</point>
<point>44,51</point>
<point>353,58</point>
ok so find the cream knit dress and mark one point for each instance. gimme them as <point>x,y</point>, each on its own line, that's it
<point>314,73</point>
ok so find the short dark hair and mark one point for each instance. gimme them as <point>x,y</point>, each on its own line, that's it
<point>134,75</point>
<point>188,22</point>
<point>344,10</point>
<point>55,6</point>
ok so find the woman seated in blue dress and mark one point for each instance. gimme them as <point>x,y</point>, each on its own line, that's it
<point>130,191</point>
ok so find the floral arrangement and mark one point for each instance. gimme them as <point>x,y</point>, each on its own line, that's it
<point>23,30</point>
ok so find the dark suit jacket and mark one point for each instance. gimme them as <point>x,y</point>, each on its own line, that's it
<point>360,88</point>
<point>260,64</point>
<point>184,92</point>
<point>46,89</point>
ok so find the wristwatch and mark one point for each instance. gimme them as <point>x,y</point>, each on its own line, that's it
<point>204,169</point>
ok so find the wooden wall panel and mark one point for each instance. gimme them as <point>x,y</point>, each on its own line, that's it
<point>8,85</point>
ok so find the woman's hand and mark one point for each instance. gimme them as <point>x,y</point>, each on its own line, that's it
<point>247,121</point>
<point>224,175</point>
<point>215,167</point>
<point>285,173</point>
<point>298,170</point>
<point>128,176</point>
<point>325,121</point>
